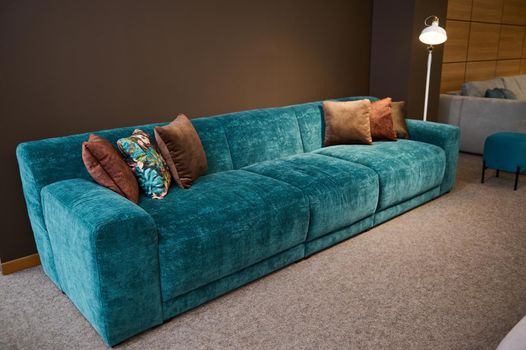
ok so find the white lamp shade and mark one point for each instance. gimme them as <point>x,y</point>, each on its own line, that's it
<point>433,35</point>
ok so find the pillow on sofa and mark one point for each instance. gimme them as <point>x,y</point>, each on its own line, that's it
<point>182,150</point>
<point>398,113</point>
<point>478,88</point>
<point>500,93</point>
<point>146,163</point>
<point>107,168</point>
<point>347,122</point>
<point>382,120</point>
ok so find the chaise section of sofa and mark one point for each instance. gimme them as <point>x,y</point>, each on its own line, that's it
<point>272,196</point>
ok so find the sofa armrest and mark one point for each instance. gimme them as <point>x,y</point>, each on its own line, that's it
<point>479,117</point>
<point>106,254</point>
<point>444,136</point>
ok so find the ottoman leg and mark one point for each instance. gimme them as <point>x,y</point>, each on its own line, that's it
<point>497,173</point>
<point>517,178</point>
<point>483,171</point>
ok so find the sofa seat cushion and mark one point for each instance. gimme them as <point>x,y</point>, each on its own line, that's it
<point>405,168</point>
<point>340,193</point>
<point>225,222</point>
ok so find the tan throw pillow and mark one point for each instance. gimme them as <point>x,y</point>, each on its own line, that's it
<point>347,122</point>
<point>398,112</point>
<point>382,121</point>
<point>182,150</point>
<point>107,168</point>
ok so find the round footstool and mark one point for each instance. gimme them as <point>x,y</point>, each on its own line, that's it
<point>505,151</point>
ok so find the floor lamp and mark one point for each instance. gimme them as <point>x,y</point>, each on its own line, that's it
<point>432,34</point>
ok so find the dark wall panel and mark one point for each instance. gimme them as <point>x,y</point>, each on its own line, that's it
<point>76,66</point>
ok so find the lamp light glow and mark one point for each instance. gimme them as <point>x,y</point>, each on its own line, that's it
<point>433,34</point>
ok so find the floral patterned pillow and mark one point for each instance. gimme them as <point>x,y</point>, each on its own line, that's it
<point>146,163</point>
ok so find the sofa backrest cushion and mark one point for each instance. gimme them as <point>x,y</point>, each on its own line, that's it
<point>516,84</point>
<point>478,88</point>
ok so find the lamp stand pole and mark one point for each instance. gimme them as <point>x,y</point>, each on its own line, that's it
<point>428,76</point>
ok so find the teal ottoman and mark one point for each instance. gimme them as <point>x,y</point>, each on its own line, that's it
<point>505,151</point>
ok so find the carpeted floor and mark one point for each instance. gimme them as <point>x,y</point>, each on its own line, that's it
<point>448,275</point>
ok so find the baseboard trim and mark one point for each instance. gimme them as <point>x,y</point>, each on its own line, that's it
<point>20,264</point>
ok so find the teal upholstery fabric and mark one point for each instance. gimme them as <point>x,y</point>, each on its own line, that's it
<point>260,135</point>
<point>106,255</point>
<point>405,168</point>
<point>339,192</point>
<point>444,136</point>
<point>182,303</point>
<point>506,151</point>
<point>337,236</point>
<point>401,208</point>
<point>272,194</point>
<point>225,222</point>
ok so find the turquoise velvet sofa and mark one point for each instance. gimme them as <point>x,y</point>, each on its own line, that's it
<point>272,196</point>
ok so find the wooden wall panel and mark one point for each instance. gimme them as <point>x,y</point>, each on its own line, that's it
<point>495,33</point>
<point>514,12</point>
<point>508,67</point>
<point>452,76</point>
<point>483,41</point>
<point>510,43</point>
<point>487,11</point>
<point>480,70</point>
<point>459,9</point>
<point>456,47</point>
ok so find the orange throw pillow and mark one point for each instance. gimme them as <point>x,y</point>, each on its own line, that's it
<point>382,120</point>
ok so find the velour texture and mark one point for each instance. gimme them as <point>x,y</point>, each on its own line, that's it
<point>382,120</point>
<point>347,122</point>
<point>506,151</point>
<point>405,168</point>
<point>335,237</point>
<point>107,168</point>
<point>500,93</point>
<point>121,263</point>
<point>222,224</point>
<point>340,193</point>
<point>260,135</point>
<point>182,150</point>
<point>398,112</point>
<point>146,163</point>
<point>198,296</point>
<point>106,255</point>
<point>444,136</point>
<point>395,210</point>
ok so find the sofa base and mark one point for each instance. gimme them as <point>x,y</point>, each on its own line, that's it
<point>335,237</point>
<point>190,300</point>
<point>409,204</point>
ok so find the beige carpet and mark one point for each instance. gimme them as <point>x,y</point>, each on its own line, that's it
<point>448,275</point>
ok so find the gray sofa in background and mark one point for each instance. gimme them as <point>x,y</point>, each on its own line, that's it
<point>478,116</point>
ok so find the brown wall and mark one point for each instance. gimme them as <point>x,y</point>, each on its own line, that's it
<point>77,66</point>
<point>487,38</point>
<point>399,59</point>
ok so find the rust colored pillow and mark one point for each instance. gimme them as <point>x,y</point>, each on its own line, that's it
<point>347,122</point>
<point>382,120</point>
<point>182,150</point>
<point>398,112</point>
<point>108,169</point>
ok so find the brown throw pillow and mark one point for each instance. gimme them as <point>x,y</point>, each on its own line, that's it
<point>107,168</point>
<point>182,150</point>
<point>347,122</point>
<point>398,112</point>
<point>382,121</point>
